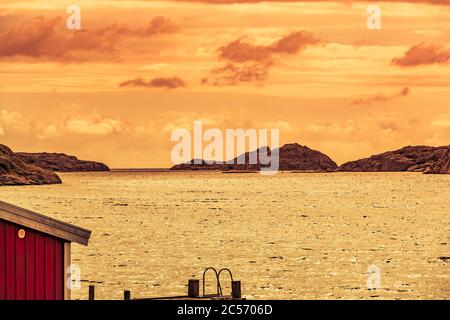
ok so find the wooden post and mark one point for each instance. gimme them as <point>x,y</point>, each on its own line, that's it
<point>236,290</point>
<point>127,295</point>
<point>67,271</point>
<point>193,288</point>
<point>91,292</point>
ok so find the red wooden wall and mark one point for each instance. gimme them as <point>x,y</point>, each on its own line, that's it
<point>31,268</point>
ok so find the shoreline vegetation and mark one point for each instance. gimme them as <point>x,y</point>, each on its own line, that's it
<point>40,168</point>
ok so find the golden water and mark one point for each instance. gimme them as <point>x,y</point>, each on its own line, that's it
<point>289,236</point>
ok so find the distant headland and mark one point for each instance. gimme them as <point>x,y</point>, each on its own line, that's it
<point>61,162</point>
<point>14,171</point>
<point>291,157</point>
<point>39,168</point>
<point>294,157</point>
<point>429,160</point>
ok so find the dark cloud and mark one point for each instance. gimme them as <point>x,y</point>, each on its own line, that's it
<point>232,74</point>
<point>247,62</point>
<point>423,54</point>
<point>48,38</point>
<point>160,82</point>
<point>160,25</point>
<point>240,51</point>
<point>381,98</point>
<point>294,42</point>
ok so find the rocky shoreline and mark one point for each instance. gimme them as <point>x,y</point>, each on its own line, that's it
<point>408,159</point>
<point>39,168</point>
<point>61,162</point>
<point>14,171</point>
<point>294,157</point>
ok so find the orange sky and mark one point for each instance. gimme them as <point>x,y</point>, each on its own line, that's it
<point>115,90</point>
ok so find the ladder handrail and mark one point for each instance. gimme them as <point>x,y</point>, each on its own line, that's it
<point>219,289</point>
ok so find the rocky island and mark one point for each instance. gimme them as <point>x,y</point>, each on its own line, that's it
<point>411,158</point>
<point>14,171</point>
<point>61,162</point>
<point>442,166</point>
<point>293,156</point>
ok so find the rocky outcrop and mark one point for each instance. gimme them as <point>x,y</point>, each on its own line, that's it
<point>14,171</point>
<point>442,166</point>
<point>410,158</point>
<point>296,157</point>
<point>292,157</point>
<point>61,162</point>
<point>199,164</point>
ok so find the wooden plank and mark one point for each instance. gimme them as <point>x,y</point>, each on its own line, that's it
<point>49,268</point>
<point>40,267</point>
<point>30,249</point>
<point>68,276</point>
<point>59,270</point>
<point>10,262</point>
<point>21,290</point>
<point>2,260</point>
<point>205,297</point>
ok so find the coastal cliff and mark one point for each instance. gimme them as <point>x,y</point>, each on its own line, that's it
<point>60,162</point>
<point>442,166</point>
<point>14,171</point>
<point>291,157</point>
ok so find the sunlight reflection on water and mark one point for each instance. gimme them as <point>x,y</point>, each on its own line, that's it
<point>302,236</point>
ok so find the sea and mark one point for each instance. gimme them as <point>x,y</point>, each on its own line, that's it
<point>286,236</point>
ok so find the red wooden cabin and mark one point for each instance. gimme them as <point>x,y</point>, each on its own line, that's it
<point>35,254</point>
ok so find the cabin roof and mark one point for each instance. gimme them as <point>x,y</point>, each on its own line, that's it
<point>44,224</point>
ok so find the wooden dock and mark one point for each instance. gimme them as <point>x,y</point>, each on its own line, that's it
<point>193,290</point>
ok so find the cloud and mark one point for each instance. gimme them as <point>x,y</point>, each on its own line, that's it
<point>49,131</point>
<point>423,54</point>
<point>427,32</point>
<point>160,25</point>
<point>280,124</point>
<point>381,98</point>
<point>294,42</point>
<point>344,128</point>
<point>443,121</point>
<point>247,62</point>
<point>240,51</point>
<point>432,2</point>
<point>99,126</point>
<point>160,82</point>
<point>47,38</point>
<point>232,74</point>
<point>13,123</point>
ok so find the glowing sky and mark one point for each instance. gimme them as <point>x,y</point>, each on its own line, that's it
<point>115,90</point>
